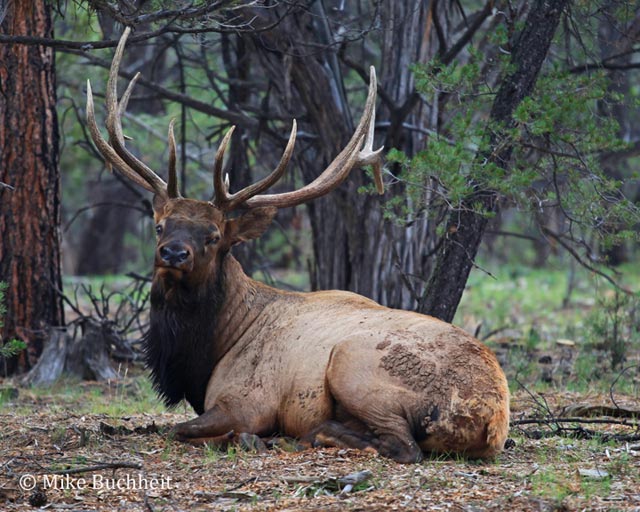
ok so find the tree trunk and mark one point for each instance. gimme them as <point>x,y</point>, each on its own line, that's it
<point>99,254</point>
<point>466,226</point>
<point>354,247</point>
<point>30,215</point>
<point>615,39</point>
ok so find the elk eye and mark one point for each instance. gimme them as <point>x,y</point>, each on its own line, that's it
<point>213,240</point>
<point>158,230</point>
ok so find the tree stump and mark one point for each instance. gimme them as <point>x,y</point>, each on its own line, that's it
<point>85,356</point>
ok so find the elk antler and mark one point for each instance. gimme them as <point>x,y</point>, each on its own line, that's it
<point>351,156</point>
<point>114,151</point>
<point>116,154</point>
<point>226,201</point>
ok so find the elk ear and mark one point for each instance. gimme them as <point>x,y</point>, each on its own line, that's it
<point>249,225</point>
<point>158,203</point>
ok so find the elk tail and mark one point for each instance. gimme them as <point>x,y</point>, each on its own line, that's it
<point>497,431</point>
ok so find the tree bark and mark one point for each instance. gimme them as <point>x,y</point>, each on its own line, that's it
<point>85,357</point>
<point>30,212</point>
<point>466,226</point>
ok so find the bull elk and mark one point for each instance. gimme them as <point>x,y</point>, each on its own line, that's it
<point>331,367</point>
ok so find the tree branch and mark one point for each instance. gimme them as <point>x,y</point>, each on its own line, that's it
<point>558,238</point>
<point>479,19</point>
<point>168,28</point>
<point>206,108</point>
<point>97,467</point>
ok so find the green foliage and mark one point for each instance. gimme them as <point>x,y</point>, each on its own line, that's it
<point>12,347</point>
<point>558,135</point>
<point>613,325</point>
<point>531,311</point>
<point>3,308</point>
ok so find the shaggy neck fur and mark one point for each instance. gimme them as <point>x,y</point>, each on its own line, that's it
<point>193,329</point>
<point>180,346</point>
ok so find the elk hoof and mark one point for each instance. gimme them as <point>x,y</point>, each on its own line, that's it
<point>251,443</point>
<point>404,452</point>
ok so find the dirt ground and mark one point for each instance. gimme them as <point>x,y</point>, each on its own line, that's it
<point>56,458</point>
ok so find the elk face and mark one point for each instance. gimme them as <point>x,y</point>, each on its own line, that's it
<point>193,237</point>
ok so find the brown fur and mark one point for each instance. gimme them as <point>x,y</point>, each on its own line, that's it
<point>328,367</point>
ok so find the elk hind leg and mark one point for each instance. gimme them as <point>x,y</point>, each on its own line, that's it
<point>379,426</point>
<point>341,435</point>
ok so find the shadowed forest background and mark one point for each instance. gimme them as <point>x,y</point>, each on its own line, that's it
<point>512,142</point>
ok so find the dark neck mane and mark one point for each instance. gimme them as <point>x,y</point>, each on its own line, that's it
<point>180,346</point>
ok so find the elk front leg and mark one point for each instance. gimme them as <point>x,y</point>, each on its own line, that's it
<point>218,428</point>
<point>213,426</point>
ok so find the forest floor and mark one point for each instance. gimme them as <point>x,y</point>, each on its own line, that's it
<point>574,441</point>
<point>91,446</point>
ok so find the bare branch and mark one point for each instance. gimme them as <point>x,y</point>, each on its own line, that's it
<point>200,106</point>
<point>478,19</point>
<point>560,239</point>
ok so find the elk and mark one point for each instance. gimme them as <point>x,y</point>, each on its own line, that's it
<point>330,368</point>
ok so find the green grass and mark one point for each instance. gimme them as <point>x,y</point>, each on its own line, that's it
<point>554,474</point>
<point>126,396</point>
<point>214,454</point>
<point>527,311</point>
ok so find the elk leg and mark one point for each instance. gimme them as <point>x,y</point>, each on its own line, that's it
<point>211,424</point>
<point>390,436</point>
<point>390,431</point>
<point>217,429</point>
<point>251,443</point>
<point>401,448</point>
<point>333,433</point>
<point>220,442</point>
<point>378,405</point>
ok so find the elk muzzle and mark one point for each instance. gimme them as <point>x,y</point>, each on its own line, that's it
<point>175,255</point>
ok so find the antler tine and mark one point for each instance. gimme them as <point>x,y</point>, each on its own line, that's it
<point>339,169</point>
<point>172,185</point>
<point>367,155</point>
<point>221,192</point>
<point>124,100</point>
<point>234,200</point>
<point>107,151</point>
<point>114,123</point>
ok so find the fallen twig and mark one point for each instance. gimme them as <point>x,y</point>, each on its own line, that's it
<point>622,372</point>
<point>97,467</point>
<point>582,433</point>
<point>343,484</point>
<point>548,421</point>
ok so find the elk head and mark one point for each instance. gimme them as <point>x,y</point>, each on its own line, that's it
<point>194,235</point>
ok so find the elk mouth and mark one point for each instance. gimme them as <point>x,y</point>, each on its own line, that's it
<point>172,272</point>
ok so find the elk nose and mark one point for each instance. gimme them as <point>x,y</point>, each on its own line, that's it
<point>174,254</point>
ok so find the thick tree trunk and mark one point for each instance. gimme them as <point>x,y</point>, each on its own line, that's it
<point>30,212</point>
<point>466,226</point>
